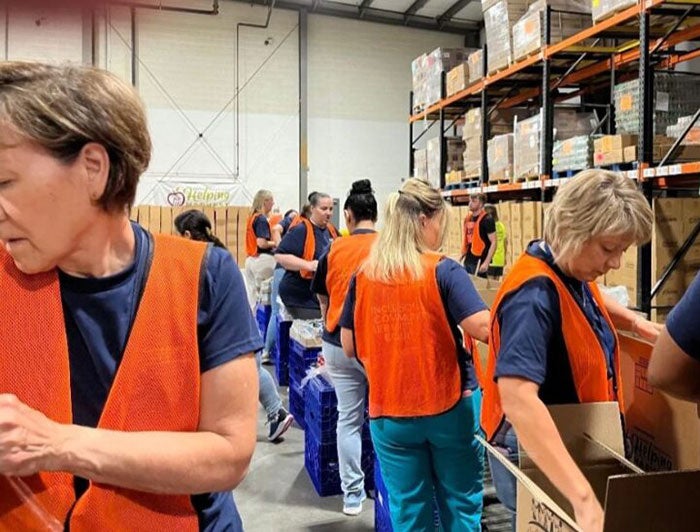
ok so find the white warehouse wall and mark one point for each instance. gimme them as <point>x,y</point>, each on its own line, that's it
<point>359,84</point>
<point>359,77</point>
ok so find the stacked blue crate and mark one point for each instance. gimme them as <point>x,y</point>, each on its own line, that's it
<point>262,317</point>
<point>382,515</point>
<point>280,354</point>
<point>321,418</point>
<point>300,360</point>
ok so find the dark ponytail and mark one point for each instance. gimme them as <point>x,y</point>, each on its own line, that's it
<point>199,226</point>
<point>361,201</point>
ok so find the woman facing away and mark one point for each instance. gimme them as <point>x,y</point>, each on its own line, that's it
<point>401,319</point>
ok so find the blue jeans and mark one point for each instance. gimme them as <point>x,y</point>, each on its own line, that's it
<point>438,455</point>
<point>267,395</point>
<point>350,385</point>
<point>272,325</point>
<point>503,480</point>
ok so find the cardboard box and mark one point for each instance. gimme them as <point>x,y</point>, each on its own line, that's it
<point>476,66</point>
<point>662,433</point>
<point>632,500</point>
<point>457,79</point>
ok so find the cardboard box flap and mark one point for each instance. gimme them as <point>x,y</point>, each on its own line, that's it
<point>653,502</point>
<point>578,424</point>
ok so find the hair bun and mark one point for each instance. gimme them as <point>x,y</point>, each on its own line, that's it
<point>363,186</point>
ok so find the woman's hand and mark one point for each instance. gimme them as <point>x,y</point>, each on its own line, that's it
<point>311,265</point>
<point>646,329</point>
<point>589,515</point>
<point>28,439</point>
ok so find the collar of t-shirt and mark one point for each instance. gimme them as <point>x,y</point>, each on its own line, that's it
<point>363,231</point>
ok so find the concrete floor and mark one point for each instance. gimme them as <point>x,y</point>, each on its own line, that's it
<point>277,494</point>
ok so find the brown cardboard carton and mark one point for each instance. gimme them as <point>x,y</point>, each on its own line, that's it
<point>629,154</point>
<point>632,500</point>
<point>457,79</point>
<point>662,433</point>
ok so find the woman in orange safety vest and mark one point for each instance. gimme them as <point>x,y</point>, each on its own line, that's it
<point>402,319</point>
<point>259,245</point>
<point>335,268</point>
<point>552,338</point>
<point>127,358</point>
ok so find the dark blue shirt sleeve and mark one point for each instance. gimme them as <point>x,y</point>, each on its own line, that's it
<point>318,284</point>
<point>261,228</point>
<point>682,321</point>
<point>527,320</point>
<point>285,223</point>
<point>293,241</point>
<point>347,318</point>
<point>457,291</point>
<point>226,328</point>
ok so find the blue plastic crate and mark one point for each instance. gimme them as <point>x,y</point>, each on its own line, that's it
<point>321,462</point>
<point>309,355</point>
<point>296,405</point>
<point>321,409</point>
<point>382,515</point>
<point>262,317</point>
<point>281,373</point>
<point>280,352</point>
<point>297,370</point>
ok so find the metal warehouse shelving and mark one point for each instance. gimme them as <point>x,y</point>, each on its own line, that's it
<point>641,45</point>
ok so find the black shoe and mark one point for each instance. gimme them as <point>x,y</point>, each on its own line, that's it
<point>279,424</point>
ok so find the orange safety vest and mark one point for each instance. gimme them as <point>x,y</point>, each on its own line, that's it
<point>404,341</point>
<point>251,241</point>
<point>156,388</point>
<point>472,235</point>
<point>310,244</point>
<point>345,257</point>
<point>586,355</point>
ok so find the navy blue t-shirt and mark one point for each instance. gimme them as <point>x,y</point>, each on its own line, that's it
<point>284,223</point>
<point>294,290</point>
<point>261,228</point>
<point>532,342</point>
<point>460,300</point>
<point>682,321</point>
<point>99,314</point>
<point>318,286</point>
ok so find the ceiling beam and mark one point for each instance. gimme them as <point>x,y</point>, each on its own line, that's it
<point>372,14</point>
<point>414,8</point>
<point>364,5</point>
<point>452,11</point>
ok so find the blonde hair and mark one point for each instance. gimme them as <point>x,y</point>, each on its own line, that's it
<point>62,108</point>
<point>400,243</point>
<point>596,203</point>
<point>258,201</point>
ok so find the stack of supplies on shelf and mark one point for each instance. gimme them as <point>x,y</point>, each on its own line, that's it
<point>675,95</point>
<point>693,137</point>
<point>454,148</point>
<point>476,66</point>
<point>528,32</point>
<point>499,18</point>
<point>427,72</point>
<point>500,158</point>
<point>603,9</point>
<point>575,153</point>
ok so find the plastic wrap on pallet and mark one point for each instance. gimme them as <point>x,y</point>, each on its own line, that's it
<point>472,157</point>
<point>603,9</point>
<point>575,153</point>
<point>420,164</point>
<point>427,72</point>
<point>526,150</point>
<point>498,21</point>
<point>675,95</point>
<point>528,32</point>
<point>676,130</point>
<point>476,66</point>
<point>500,157</point>
<point>454,148</point>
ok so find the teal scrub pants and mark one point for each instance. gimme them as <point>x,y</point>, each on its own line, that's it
<point>433,455</point>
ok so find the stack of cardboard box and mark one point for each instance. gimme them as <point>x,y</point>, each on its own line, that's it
<point>476,66</point>
<point>499,18</point>
<point>457,79</point>
<point>500,158</point>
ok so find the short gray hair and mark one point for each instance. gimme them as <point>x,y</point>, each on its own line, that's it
<point>596,203</point>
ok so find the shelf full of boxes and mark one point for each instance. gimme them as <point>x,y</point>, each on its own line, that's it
<point>612,100</point>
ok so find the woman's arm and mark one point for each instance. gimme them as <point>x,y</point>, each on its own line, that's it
<point>627,320</point>
<point>477,325</point>
<point>674,371</point>
<point>538,435</point>
<point>294,264</point>
<point>264,243</point>
<point>348,342</point>
<point>215,458</point>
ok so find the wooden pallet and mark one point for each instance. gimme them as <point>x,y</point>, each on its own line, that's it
<point>524,178</point>
<point>499,181</point>
<point>527,55</point>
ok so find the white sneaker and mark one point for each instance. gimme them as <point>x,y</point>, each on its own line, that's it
<point>353,508</point>
<point>265,357</point>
